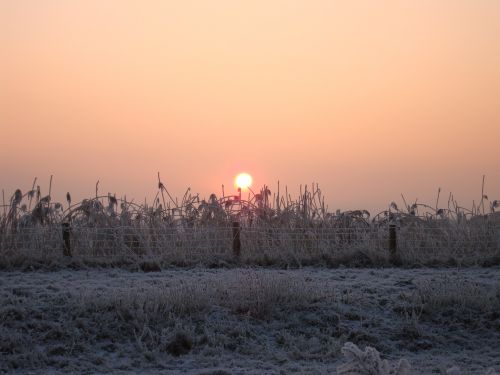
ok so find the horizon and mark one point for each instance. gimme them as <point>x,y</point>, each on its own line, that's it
<point>440,199</point>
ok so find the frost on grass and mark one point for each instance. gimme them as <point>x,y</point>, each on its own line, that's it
<point>368,362</point>
<point>463,296</point>
<point>282,231</point>
<point>455,370</point>
<point>249,320</point>
<point>257,294</point>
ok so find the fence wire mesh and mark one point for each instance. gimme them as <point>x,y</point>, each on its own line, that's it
<point>464,240</point>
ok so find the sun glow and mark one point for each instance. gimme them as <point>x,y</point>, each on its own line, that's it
<point>243,181</point>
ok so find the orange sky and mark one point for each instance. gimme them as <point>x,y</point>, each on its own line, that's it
<point>369,98</point>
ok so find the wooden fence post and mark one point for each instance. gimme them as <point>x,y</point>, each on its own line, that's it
<point>66,230</point>
<point>393,243</point>
<point>236,238</point>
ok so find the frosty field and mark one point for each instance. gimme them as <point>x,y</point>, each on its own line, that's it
<point>248,320</point>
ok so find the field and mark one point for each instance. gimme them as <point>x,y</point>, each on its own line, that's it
<point>267,284</point>
<point>248,320</point>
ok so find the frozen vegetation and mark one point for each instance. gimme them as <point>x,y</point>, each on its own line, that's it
<point>264,284</point>
<point>251,320</point>
<point>273,230</point>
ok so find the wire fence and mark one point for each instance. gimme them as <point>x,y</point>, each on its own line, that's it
<point>227,241</point>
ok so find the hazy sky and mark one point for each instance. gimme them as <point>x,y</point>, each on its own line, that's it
<point>370,99</point>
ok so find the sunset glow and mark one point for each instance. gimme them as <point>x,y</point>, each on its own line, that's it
<point>370,99</point>
<point>243,181</point>
<point>220,170</point>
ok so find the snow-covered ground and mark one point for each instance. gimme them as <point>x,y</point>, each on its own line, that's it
<point>247,320</point>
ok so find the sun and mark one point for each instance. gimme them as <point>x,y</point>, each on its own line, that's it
<point>243,181</point>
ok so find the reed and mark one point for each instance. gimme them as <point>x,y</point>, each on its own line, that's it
<point>276,229</point>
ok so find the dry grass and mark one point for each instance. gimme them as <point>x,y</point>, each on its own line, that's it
<point>458,294</point>
<point>114,320</point>
<point>158,317</point>
<point>451,300</point>
<point>275,230</point>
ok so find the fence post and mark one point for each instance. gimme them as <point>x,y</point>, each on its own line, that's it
<point>393,244</point>
<point>66,230</point>
<point>236,238</point>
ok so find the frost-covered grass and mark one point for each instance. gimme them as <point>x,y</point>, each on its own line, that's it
<point>251,320</point>
<point>276,230</point>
